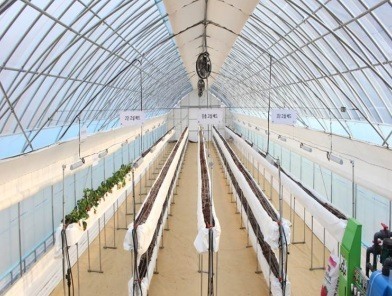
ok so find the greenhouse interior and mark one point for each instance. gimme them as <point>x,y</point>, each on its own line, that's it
<point>196,147</point>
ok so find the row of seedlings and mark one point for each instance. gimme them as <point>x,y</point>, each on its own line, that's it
<point>143,237</point>
<point>208,224</point>
<point>277,269</point>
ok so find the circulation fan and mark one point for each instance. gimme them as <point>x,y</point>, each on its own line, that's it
<point>203,65</point>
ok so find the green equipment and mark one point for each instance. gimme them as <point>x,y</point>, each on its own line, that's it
<point>350,256</point>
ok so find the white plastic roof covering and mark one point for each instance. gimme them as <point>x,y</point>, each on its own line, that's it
<point>64,62</point>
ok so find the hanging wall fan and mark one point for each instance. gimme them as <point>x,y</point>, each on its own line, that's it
<point>203,65</point>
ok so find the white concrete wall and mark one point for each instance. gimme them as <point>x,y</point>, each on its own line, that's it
<point>372,163</point>
<point>23,176</point>
<point>186,113</point>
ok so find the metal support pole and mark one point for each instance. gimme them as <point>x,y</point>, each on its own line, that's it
<point>311,248</point>
<point>241,226</point>
<point>104,230</point>
<point>216,274</point>
<point>236,203</point>
<point>20,244</point>
<point>162,246</point>
<point>64,227</point>
<point>77,266</point>
<point>354,212</point>
<point>140,189</point>
<point>88,251</point>
<point>156,267</point>
<point>258,270</point>
<point>201,275</point>
<point>232,192</point>
<point>297,242</point>
<point>114,229</point>
<point>74,177</point>
<point>167,224</point>
<point>248,245</point>
<point>99,249</point>
<point>52,209</point>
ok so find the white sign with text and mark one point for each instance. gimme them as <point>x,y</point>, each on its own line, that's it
<point>210,116</point>
<point>129,118</point>
<point>284,116</point>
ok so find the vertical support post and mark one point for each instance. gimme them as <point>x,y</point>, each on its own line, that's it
<point>201,275</point>
<point>104,168</point>
<point>99,244</point>
<point>77,266</point>
<point>64,226</point>
<point>236,203</point>
<point>390,213</point>
<point>311,244</point>
<point>133,195</point>
<point>216,274</point>
<point>114,162</point>
<point>283,243</point>
<point>258,270</point>
<point>52,209</point>
<point>241,205</point>
<point>104,230</point>
<point>74,177</point>
<point>354,212</point>
<point>311,248</point>
<point>294,214</point>
<point>99,249</point>
<point>20,241</point>
<point>91,177</point>
<point>304,222</point>
<point>269,105</point>
<point>88,251</point>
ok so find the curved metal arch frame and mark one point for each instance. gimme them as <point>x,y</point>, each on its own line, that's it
<point>334,83</point>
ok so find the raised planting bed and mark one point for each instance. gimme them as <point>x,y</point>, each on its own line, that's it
<point>206,217</point>
<point>145,258</point>
<point>148,204</point>
<point>205,185</point>
<point>252,184</point>
<point>329,207</point>
<point>266,249</point>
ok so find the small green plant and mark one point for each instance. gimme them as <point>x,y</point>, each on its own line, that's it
<point>91,198</point>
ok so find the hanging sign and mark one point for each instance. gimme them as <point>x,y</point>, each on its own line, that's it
<point>210,116</point>
<point>284,116</point>
<point>129,118</point>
